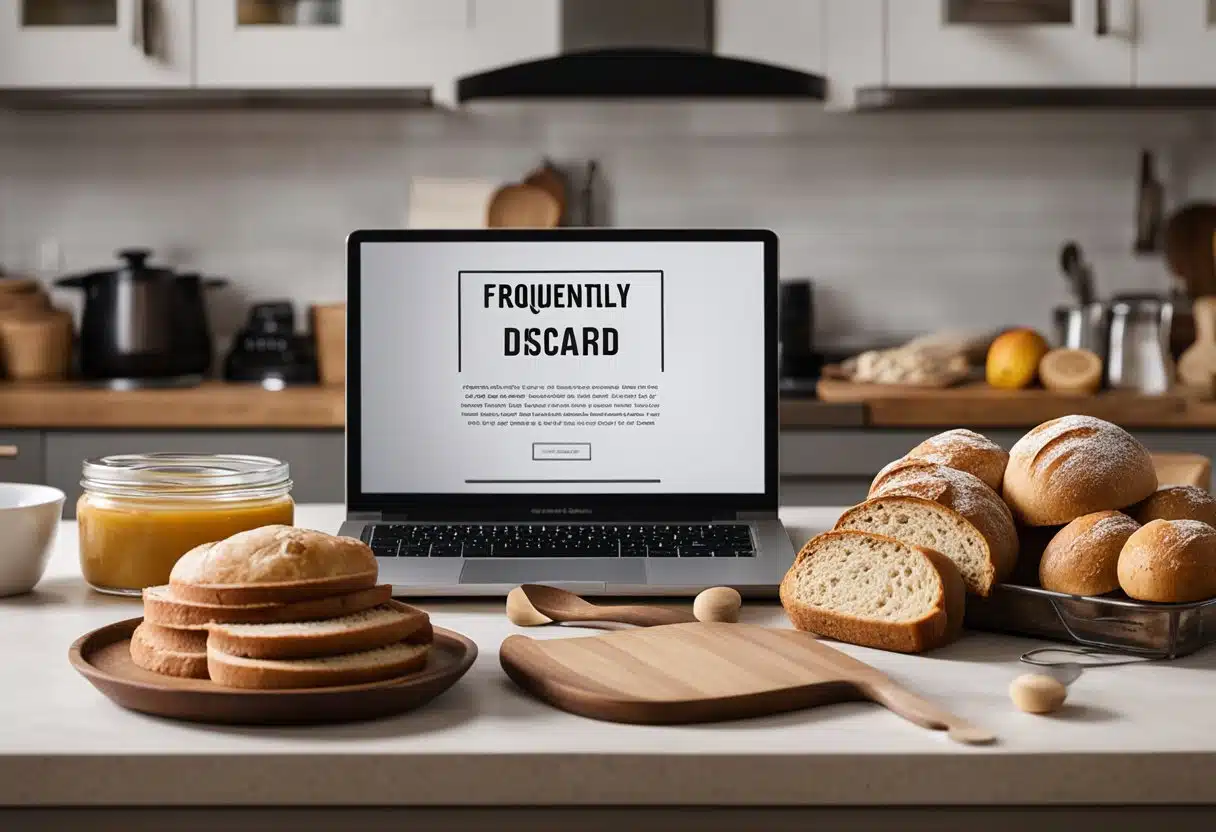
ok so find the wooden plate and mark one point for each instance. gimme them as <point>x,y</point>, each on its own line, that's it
<point>104,658</point>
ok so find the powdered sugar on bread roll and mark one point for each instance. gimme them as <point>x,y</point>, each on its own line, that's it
<point>1170,562</point>
<point>1073,466</point>
<point>965,450</point>
<point>1083,558</point>
<point>1177,502</point>
<point>963,492</point>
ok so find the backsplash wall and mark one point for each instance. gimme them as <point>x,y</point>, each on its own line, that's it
<point>906,222</point>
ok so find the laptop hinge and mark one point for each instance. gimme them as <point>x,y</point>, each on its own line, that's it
<point>611,515</point>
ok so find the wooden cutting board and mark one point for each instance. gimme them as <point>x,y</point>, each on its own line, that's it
<point>708,672</point>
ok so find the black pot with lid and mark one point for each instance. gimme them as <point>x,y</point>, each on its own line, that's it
<point>143,322</point>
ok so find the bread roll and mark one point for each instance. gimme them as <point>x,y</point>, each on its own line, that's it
<point>1177,502</point>
<point>273,564</point>
<point>1073,466</point>
<point>965,450</point>
<point>963,492</point>
<point>1083,559</point>
<point>1170,562</point>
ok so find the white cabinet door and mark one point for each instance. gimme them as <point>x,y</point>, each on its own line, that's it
<point>1176,46</point>
<point>84,44</point>
<point>785,32</point>
<point>288,44</point>
<point>935,43</point>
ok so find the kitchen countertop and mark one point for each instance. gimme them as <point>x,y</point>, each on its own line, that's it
<point>1139,734</point>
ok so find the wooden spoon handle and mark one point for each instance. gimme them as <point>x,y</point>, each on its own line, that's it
<point>645,616</point>
<point>924,713</point>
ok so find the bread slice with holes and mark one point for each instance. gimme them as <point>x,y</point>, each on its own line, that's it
<point>348,669</point>
<point>170,652</point>
<point>920,522</point>
<point>378,627</point>
<point>874,591</point>
<point>161,606</point>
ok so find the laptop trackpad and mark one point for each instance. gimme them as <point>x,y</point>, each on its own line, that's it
<point>552,570</point>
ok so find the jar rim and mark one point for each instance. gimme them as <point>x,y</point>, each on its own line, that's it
<point>190,471</point>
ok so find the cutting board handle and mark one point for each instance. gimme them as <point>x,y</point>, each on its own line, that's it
<point>923,712</point>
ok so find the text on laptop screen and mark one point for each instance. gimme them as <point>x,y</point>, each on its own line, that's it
<point>562,367</point>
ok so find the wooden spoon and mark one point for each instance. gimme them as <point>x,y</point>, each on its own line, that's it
<point>562,606</point>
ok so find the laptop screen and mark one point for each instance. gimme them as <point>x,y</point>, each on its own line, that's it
<point>549,366</point>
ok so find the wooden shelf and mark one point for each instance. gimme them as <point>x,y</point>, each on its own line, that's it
<point>214,405</point>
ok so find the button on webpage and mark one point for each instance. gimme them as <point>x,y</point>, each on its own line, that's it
<point>561,451</point>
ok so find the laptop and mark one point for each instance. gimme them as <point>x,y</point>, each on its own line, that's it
<point>593,409</point>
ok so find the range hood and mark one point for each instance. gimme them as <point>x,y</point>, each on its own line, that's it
<point>639,49</point>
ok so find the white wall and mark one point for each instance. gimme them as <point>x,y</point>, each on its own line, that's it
<point>907,222</point>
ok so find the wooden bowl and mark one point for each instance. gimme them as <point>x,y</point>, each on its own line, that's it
<point>104,658</point>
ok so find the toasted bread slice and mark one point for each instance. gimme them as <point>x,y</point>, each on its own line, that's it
<point>874,591</point>
<point>170,652</point>
<point>378,627</point>
<point>163,608</point>
<point>348,669</point>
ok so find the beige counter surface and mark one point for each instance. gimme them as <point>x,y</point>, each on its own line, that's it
<point>1142,734</point>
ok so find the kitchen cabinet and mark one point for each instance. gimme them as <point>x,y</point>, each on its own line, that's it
<point>83,44</point>
<point>317,459</point>
<point>785,32</point>
<point>1046,43</point>
<point>1176,43</point>
<point>284,44</point>
<point>21,457</point>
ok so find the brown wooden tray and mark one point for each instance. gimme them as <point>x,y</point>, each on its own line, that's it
<point>104,658</point>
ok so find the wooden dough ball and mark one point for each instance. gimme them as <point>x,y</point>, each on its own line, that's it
<point>719,603</point>
<point>1037,694</point>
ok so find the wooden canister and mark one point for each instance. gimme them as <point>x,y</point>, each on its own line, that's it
<point>36,346</point>
<point>329,330</point>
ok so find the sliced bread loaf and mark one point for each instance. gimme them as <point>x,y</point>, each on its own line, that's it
<point>963,492</point>
<point>874,591</point>
<point>349,669</point>
<point>163,608</point>
<point>920,522</point>
<point>378,627</point>
<point>273,565</point>
<point>170,652</point>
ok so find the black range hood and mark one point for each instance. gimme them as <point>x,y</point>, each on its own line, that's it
<point>640,49</point>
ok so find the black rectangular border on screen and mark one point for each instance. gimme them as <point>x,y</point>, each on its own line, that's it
<point>441,506</point>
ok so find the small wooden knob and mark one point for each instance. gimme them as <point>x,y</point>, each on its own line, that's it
<point>520,611</point>
<point>1037,694</point>
<point>718,603</point>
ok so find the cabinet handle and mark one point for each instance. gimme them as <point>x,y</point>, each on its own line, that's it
<point>8,451</point>
<point>1101,18</point>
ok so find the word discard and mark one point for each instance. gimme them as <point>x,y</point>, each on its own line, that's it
<point>572,341</point>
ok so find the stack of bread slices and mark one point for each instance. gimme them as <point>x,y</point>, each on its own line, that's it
<point>279,607</point>
<point>1075,490</point>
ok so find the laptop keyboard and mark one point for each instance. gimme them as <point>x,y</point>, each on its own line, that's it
<point>559,540</point>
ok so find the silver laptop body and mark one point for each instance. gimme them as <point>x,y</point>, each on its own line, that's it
<point>612,388</point>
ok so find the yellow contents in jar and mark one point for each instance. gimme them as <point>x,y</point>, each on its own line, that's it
<point>127,545</point>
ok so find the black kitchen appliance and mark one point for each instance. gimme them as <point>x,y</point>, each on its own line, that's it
<point>143,325</point>
<point>269,351</point>
<point>800,364</point>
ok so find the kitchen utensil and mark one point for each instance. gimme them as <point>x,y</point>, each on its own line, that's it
<point>1139,356</point>
<point>1188,247</point>
<point>1197,366</point>
<point>1150,196</point>
<point>708,672</point>
<point>36,346</point>
<point>1068,670</point>
<point>143,322</point>
<point>551,180</point>
<point>562,606</point>
<point>524,206</point>
<point>104,658</point>
<point>1159,631</point>
<point>1083,328</point>
<point>269,351</point>
<point>29,521</point>
<point>329,331</point>
<point>1077,272</point>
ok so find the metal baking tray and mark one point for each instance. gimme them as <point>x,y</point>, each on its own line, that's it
<point>1159,631</point>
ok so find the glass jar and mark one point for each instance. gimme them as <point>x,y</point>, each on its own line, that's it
<point>139,513</point>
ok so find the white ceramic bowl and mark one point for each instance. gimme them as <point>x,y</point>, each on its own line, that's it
<point>29,519</point>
